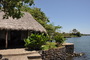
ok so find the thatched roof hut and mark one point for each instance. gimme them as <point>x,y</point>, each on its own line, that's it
<point>27,22</point>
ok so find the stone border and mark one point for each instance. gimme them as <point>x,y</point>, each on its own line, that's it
<point>54,54</point>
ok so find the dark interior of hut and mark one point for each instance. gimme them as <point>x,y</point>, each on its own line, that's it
<point>14,40</point>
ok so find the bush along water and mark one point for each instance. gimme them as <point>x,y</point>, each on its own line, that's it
<point>42,41</point>
<point>59,38</point>
<point>35,41</point>
<point>48,45</point>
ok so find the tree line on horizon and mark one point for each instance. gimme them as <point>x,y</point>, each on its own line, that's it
<point>73,33</point>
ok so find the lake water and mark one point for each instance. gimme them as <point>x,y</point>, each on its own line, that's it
<point>81,44</point>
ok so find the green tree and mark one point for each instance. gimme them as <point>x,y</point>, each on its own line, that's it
<point>78,34</point>
<point>51,29</point>
<point>37,14</point>
<point>74,31</point>
<point>43,20</point>
<point>59,38</point>
<point>12,7</point>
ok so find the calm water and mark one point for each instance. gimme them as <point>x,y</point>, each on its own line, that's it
<point>81,44</point>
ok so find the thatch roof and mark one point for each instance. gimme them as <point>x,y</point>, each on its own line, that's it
<point>27,22</point>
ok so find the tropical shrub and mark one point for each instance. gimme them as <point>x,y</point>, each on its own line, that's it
<point>59,38</point>
<point>48,45</point>
<point>35,41</point>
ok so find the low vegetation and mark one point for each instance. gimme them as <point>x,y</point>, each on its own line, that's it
<point>35,41</point>
<point>41,41</point>
<point>48,45</point>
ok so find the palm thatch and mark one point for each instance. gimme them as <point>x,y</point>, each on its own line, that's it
<point>27,22</point>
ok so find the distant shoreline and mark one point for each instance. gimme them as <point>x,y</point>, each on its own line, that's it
<point>85,34</point>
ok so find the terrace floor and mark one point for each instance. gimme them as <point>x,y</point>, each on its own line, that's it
<point>19,54</point>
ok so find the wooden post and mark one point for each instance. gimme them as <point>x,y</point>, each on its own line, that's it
<point>6,46</point>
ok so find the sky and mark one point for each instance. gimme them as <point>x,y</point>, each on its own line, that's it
<point>70,14</point>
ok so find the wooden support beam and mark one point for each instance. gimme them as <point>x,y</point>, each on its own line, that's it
<point>6,42</point>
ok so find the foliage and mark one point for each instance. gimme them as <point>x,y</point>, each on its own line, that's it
<point>12,7</point>
<point>35,41</point>
<point>74,31</point>
<point>43,20</point>
<point>51,28</point>
<point>48,45</point>
<point>78,34</point>
<point>59,38</point>
<point>37,14</point>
